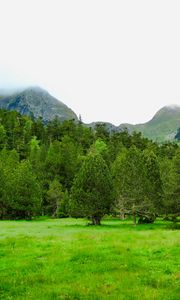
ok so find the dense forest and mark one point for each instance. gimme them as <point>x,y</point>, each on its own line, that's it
<point>63,169</point>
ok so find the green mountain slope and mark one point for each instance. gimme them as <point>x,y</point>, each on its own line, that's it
<point>162,127</point>
<point>36,102</point>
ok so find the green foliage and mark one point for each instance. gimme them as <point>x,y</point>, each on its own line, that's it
<point>154,182</point>
<point>24,191</point>
<point>101,131</point>
<point>9,161</point>
<point>138,183</point>
<point>92,192</point>
<point>20,193</point>
<point>64,206</point>
<point>168,178</point>
<point>99,146</point>
<point>70,154</point>
<point>176,165</point>
<point>3,137</point>
<point>170,175</point>
<point>129,174</point>
<point>54,197</point>
<point>145,174</point>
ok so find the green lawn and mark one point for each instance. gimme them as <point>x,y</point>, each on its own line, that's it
<point>65,259</point>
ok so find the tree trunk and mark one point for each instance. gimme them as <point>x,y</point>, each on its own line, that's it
<point>122,215</point>
<point>134,219</point>
<point>55,214</point>
<point>96,220</point>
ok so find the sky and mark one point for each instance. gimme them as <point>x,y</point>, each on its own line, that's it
<point>109,60</point>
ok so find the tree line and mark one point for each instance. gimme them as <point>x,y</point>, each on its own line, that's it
<point>63,169</point>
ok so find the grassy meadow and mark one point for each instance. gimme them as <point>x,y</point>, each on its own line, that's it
<point>65,259</point>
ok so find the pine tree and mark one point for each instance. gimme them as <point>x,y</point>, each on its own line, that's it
<point>176,163</point>
<point>92,192</point>
<point>24,192</point>
<point>130,182</point>
<point>154,183</point>
<point>3,137</point>
<point>54,198</point>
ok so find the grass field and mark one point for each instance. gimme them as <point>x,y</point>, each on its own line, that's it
<point>65,259</point>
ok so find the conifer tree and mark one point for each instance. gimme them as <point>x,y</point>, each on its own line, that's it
<point>130,182</point>
<point>92,192</point>
<point>54,198</point>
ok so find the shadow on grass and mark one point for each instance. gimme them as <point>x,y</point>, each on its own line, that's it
<point>106,223</point>
<point>118,224</point>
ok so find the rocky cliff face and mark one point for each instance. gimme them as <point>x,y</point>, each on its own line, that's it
<point>36,102</point>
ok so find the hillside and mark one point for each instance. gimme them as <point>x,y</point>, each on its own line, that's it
<point>162,127</point>
<point>36,102</point>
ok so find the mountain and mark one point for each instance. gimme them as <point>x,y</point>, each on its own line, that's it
<point>36,102</point>
<point>162,127</point>
<point>108,126</point>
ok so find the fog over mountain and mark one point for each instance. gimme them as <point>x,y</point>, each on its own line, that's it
<point>37,102</point>
<point>11,91</point>
<point>115,61</point>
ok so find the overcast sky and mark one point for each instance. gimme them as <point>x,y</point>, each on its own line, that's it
<point>115,61</point>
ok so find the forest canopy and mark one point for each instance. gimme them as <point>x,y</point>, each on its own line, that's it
<point>63,169</point>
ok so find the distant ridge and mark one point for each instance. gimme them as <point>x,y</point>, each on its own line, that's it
<point>36,102</point>
<point>162,127</point>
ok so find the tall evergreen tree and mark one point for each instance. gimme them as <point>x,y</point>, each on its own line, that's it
<point>24,192</point>
<point>153,184</point>
<point>130,182</point>
<point>3,137</point>
<point>92,192</point>
<point>54,197</point>
<point>176,164</point>
<point>168,178</point>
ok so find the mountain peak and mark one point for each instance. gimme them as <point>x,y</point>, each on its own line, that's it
<point>166,112</point>
<point>163,126</point>
<point>37,102</point>
<point>36,89</point>
<point>172,106</point>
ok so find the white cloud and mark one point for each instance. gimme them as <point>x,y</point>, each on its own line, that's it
<point>116,61</point>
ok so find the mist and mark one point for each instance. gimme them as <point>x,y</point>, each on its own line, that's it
<point>114,61</point>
